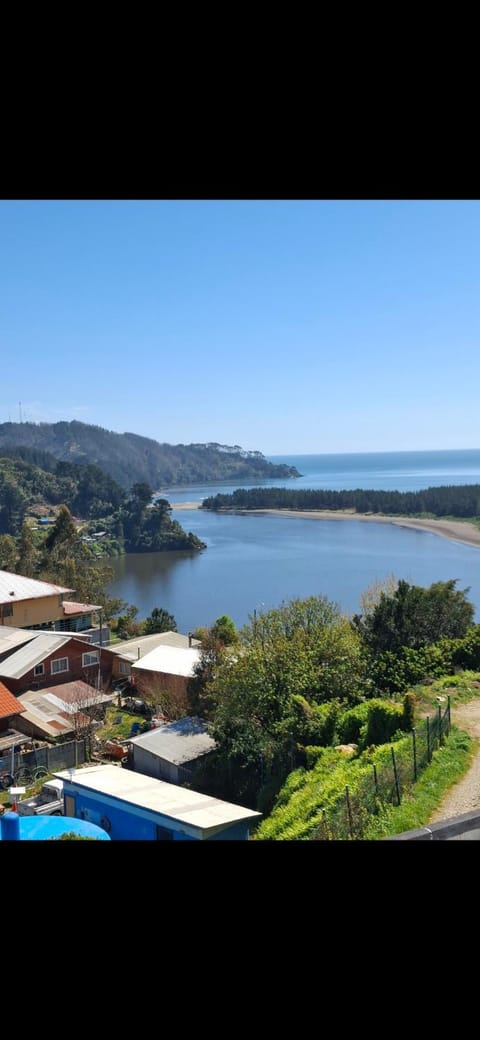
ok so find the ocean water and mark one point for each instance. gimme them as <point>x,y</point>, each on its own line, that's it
<point>256,562</point>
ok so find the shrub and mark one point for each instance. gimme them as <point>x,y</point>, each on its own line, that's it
<point>409,702</point>
<point>373,722</point>
<point>384,719</point>
<point>313,723</point>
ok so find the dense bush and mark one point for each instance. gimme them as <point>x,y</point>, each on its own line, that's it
<point>373,722</point>
<point>313,723</point>
<point>409,702</point>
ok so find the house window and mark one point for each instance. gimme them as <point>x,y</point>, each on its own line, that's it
<point>60,664</point>
<point>6,610</point>
<point>164,835</point>
<point>39,669</point>
<point>124,668</point>
<point>91,658</point>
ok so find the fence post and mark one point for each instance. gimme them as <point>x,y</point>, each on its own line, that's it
<point>325,825</point>
<point>414,739</point>
<point>429,750</point>
<point>397,785</point>
<point>449,717</point>
<point>375,780</point>
<point>350,821</point>
<point>440,740</point>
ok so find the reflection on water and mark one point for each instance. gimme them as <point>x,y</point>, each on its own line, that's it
<point>267,559</point>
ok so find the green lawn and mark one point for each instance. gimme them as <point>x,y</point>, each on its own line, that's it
<point>118,724</point>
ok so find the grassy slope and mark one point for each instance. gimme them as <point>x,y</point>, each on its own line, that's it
<point>298,810</point>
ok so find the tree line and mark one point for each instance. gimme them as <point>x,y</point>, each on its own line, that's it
<point>452,500</point>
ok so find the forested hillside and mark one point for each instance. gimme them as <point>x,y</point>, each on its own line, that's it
<point>130,522</point>
<point>129,458</point>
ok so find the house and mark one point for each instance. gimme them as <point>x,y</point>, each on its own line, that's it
<point>49,658</point>
<point>167,668</point>
<point>28,603</point>
<point>172,752</point>
<point>130,806</point>
<point>60,711</point>
<point>130,651</point>
<point>10,708</point>
<point>10,712</point>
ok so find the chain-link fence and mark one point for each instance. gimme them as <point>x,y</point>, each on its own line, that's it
<point>387,783</point>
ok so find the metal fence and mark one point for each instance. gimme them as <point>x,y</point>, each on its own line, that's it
<point>28,767</point>
<point>386,784</point>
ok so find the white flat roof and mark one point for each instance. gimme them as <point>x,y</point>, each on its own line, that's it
<point>134,649</point>
<point>173,660</point>
<point>198,811</point>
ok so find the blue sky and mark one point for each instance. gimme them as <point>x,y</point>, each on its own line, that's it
<point>284,326</point>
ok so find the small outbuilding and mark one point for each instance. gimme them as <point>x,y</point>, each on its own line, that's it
<point>130,806</point>
<point>172,752</point>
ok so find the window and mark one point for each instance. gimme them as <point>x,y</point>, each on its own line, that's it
<point>60,664</point>
<point>91,658</point>
<point>39,669</point>
<point>164,835</point>
<point>124,668</point>
<point>7,610</point>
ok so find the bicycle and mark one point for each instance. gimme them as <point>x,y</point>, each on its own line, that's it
<point>24,777</point>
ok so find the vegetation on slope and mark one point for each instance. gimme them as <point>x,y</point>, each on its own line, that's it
<point>128,457</point>
<point>302,678</point>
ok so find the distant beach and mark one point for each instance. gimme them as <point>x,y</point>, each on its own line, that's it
<point>455,530</point>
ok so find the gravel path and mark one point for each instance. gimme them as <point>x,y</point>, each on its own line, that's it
<point>465,794</point>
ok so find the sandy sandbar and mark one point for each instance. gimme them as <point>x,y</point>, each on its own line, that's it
<point>456,530</point>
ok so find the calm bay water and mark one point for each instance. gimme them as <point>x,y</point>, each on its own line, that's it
<point>256,562</point>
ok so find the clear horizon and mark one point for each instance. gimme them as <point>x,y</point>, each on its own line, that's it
<point>293,327</point>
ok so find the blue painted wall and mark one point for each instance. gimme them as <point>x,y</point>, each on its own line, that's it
<point>133,823</point>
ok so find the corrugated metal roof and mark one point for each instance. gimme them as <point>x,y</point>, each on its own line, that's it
<point>33,653</point>
<point>70,608</point>
<point>197,811</point>
<point>14,637</point>
<point>50,710</point>
<point>9,705</point>
<point>178,742</point>
<point>14,587</point>
<point>169,659</point>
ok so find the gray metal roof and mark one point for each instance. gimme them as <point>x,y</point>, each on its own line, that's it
<point>177,742</point>
<point>197,812</point>
<point>14,588</point>
<point>23,660</point>
<point>14,637</point>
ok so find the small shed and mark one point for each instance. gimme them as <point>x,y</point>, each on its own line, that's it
<point>130,806</point>
<point>172,752</point>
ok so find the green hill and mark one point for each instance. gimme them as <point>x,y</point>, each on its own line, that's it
<point>129,458</point>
